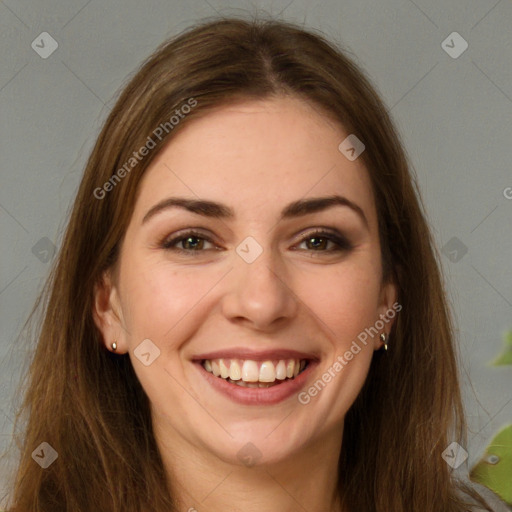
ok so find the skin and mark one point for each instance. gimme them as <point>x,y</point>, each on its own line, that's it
<point>256,157</point>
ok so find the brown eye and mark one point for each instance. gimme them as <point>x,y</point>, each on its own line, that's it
<point>320,241</point>
<point>192,242</point>
<point>188,242</point>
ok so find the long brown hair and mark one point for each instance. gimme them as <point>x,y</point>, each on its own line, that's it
<point>88,403</point>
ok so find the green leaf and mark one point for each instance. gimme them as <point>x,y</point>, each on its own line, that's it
<point>505,358</point>
<point>494,470</point>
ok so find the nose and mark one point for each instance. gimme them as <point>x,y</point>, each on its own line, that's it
<point>260,293</point>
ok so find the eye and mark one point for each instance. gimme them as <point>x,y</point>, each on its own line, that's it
<point>190,241</point>
<point>320,239</point>
<point>492,459</point>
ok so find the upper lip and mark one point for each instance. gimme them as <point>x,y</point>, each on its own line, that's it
<point>255,355</point>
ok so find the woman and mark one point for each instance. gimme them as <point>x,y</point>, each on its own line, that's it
<point>246,242</point>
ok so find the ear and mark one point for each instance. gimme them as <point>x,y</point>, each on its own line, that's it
<point>107,313</point>
<point>388,309</point>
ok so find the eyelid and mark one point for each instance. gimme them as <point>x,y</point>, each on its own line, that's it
<point>339,239</point>
<point>341,242</point>
<point>182,234</point>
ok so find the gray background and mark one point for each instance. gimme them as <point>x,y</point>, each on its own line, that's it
<point>454,115</point>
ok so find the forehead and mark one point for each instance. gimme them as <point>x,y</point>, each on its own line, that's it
<point>257,156</point>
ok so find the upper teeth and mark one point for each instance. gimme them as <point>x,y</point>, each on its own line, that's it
<point>254,371</point>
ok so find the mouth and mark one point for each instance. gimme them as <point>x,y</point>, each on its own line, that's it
<point>250,373</point>
<point>251,378</point>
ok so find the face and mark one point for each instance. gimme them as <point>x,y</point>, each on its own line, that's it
<point>237,260</point>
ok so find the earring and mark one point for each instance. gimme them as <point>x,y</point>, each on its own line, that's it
<point>114,346</point>
<point>384,339</point>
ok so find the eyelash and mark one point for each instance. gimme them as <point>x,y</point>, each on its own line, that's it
<point>340,241</point>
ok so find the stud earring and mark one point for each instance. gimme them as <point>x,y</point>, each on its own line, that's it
<point>114,346</point>
<point>384,339</point>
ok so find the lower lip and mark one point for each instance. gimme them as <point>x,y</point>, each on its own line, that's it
<point>258,396</point>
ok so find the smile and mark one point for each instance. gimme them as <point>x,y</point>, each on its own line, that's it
<point>255,374</point>
<point>251,377</point>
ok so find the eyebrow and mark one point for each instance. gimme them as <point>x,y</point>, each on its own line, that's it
<point>216,210</point>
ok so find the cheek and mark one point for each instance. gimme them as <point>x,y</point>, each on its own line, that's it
<point>346,298</point>
<point>163,303</point>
